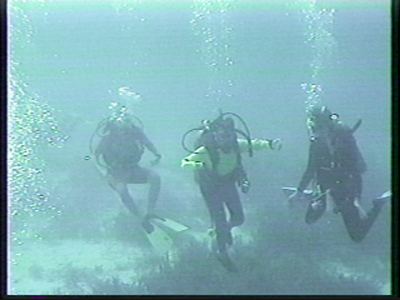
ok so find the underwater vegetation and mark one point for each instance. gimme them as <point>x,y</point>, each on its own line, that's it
<point>190,269</point>
<point>66,236</point>
<point>198,274</point>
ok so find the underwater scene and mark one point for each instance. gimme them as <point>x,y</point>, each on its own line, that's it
<point>87,217</point>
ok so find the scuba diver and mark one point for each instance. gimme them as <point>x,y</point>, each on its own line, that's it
<point>218,167</point>
<point>119,151</point>
<point>335,166</point>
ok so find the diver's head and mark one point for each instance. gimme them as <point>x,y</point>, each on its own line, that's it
<point>224,133</point>
<point>120,124</point>
<point>320,120</point>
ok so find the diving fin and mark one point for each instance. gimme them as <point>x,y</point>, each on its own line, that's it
<point>288,191</point>
<point>223,257</point>
<point>385,195</point>
<point>221,254</point>
<point>227,263</point>
<point>382,199</point>
<point>311,196</point>
<point>171,224</point>
<point>160,240</point>
<point>305,195</point>
<point>158,237</point>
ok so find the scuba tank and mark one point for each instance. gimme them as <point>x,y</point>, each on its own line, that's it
<point>208,126</point>
<point>322,115</point>
<point>207,139</point>
<point>121,121</point>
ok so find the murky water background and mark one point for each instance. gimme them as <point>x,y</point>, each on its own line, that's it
<point>174,63</point>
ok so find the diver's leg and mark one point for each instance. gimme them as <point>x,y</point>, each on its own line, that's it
<point>139,175</point>
<point>122,189</point>
<point>212,197</point>
<point>217,212</point>
<point>351,218</point>
<point>232,200</point>
<point>154,180</point>
<point>209,195</point>
<point>356,225</point>
<point>236,215</point>
<point>357,222</point>
<point>344,197</point>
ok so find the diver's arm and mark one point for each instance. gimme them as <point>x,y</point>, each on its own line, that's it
<point>99,153</point>
<point>307,176</point>
<point>99,150</point>
<point>199,159</point>
<point>148,144</point>
<point>257,144</point>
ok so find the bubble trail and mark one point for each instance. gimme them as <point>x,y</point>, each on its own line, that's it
<point>211,23</point>
<point>322,44</point>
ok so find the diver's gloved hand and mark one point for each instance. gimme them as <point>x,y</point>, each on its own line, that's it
<point>245,185</point>
<point>156,161</point>
<point>242,181</point>
<point>275,144</point>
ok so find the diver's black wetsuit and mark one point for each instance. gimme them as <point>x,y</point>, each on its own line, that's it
<point>335,163</point>
<point>218,191</point>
